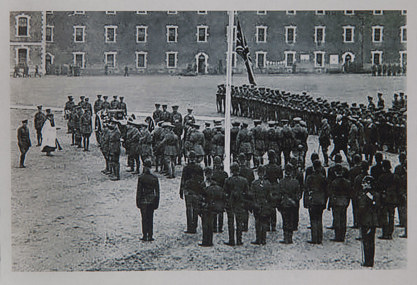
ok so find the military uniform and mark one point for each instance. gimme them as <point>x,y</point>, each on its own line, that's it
<point>244,143</point>
<point>176,120</point>
<point>147,200</point>
<point>401,172</point>
<point>114,104</point>
<point>233,137</point>
<point>23,141</point>
<point>196,140</point>
<point>190,189</point>
<point>258,137</point>
<point>208,144</point>
<point>123,106</point>
<point>106,104</point>
<point>145,143</point>
<point>219,175</point>
<point>39,120</point>
<point>247,173</point>
<point>98,104</point>
<point>114,152</point>
<point>324,140</point>
<point>132,146</point>
<point>86,129</point>
<point>170,144</point>
<point>157,114</point>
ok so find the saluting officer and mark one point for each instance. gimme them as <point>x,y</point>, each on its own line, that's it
<point>147,199</point>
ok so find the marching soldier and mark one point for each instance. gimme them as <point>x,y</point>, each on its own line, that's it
<point>208,144</point>
<point>258,137</point>
<point>219,175</point>
<point>340,194</point>
<point>315,198</point>
<point>98,104</point>
<point>260,192</point>
<point>236,189</point>
<point>244,143</point>
<point>368,203</point>
<point>147,199</point>
<point>290,193</point>
<point>191,183</point>
<point>23,141</point>
<point>39,120</point>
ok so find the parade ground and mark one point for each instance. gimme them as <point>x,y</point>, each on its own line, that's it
<point>67,216</point>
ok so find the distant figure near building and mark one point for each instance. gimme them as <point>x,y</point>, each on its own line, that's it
<point>147,199</point>
<point>23,141</point>
<point>126,71</point>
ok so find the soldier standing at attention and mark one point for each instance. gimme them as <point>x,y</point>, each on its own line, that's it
<point>235,188</point>
<point>208,144</point>
<point>23,141</point>
<point>40,118</point>
<point>219,175</point>
<point>290,193</point>
<point>324,140</point>
<point>368,203</point>
<point>86,128</point>
<point>258,137</point>
<point>145,142</point>
<point>165,115</point>
<point>87,106</point>
<point>114,104</point>
<point>340,193</point>
<point>123,106</point>
<point>315,198</point>
<point>170,143</point>
<point>244,143</point>
<point>176,120</point>
<point>233,137</point>
<point>401,172</point>
<point>381,102</point>
<point>147,199</point>
<point>114,150</point>
<point>273,173</point>
<point>248,174</point>
<point>98,104</point>
<point>191,181</point>
<point>106,104</point>
<point>260,192</point>
<point>68,109</point>
<point>157,114</point>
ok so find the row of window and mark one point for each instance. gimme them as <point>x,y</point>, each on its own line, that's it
<point>202,34</point>
<point>171,58</point>
<point>260,12</point>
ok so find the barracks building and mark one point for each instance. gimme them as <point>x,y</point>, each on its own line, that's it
<point>191,42</point>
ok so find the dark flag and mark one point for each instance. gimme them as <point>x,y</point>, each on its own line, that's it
<point>243,50</point>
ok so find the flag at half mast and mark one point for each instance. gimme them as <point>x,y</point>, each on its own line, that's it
<point>242,49</point>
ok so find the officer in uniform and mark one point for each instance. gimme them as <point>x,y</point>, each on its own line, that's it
<point>354,171</point>
<point>273,173</point>
<point>324,140</point>
<point>87,106</point>
<point>247,173</point>
<point>258,137</point>
<point>288,141</point>
<point>315,198</point>
<point>233,138</point>
<point>368,203</point>
<point>219,175</point>
<point>68,109</point>
<point>40,118</point>
<point>145,142</point>
<point>165,115</point>
<point>82,102</point>
<point>76,121</point>
<point>244,143</point>
<point>170,144</point>
<point>381,102</point>
<point>340,194</point>
<point>98,104</point>
<point>261,206</point>
<point>23,141</point>
<point>191,183</point>
<point>123,106</point>
<point>196,139</point>
<point>132,145</point>
<point>157,114</point>
<point>106,104</point>
<point>147,199</point>
<point>176,120</point>
<point>114,150</point>
<point>208,144</point>
<point>290,193</point>
<point>105,147</point>
<point>86,128</point>
<point>236,189</point>
<point>213,203</point>
<point>114,104</point>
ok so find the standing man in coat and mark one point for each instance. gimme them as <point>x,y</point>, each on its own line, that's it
<point>315,198</point>
<point>86,128</point>
<point>258,137</point>
<point>147,199</point>
<point>324,140</point>
<point>170,144</point>
<point>23,141</point>
<point>114,150</point>
<point>191,183</point>
<point>244,143</point>
<point>40,118</point>
<point>401,172</point>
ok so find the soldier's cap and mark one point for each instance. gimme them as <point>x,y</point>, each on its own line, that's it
<point>70,97</point>
<point>82,97</point>
<point>147,163</point>
<point>175,106</point>
<point>241,157</point>
<point>24,121</point>
<point>271,123</point>
<point>98,95</point>
<point>284,121</point>
<point>370,98</point>
<point>217,122</point>
<point>257,122</point>
<point>379,94</point>
<point>39,106</point>
<point>338,158</point>
<point>164,105</point>
<point>235,124</point>
<point>192,155</point>
<point>157,105</point>
<point>105,96</point>
<point>189,109</point>
<point>115,96</point>
<point>244,124</point>
<point>86,99</point>
<point>401,94</point>
<point>217,160</point>
<point>395,95</point>
<point>234,168</point>
<point>297,119</point>
<point>207,124</point>
<point>48,110</point>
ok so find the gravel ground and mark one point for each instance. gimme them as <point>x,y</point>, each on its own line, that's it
<point>67,216</point>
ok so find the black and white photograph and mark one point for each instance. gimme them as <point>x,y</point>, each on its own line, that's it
<point>219,140</point>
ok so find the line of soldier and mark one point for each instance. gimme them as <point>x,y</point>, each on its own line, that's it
<point>274,105</point>
<point>210,192</point>
<point>388,70</point>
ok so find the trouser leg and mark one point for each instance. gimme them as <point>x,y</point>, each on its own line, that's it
<point>189,213</point>
<point>22,157</point>
<point>245,220</point>
<point>368,243</point>
<point>231,226</point>
<point>240,218</point>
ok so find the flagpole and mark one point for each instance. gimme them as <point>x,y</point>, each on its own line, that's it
<point>228,92</point>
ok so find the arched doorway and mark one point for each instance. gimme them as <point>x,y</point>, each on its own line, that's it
<point>201,63</point>
<point>49,60</point>
<point>348,57</point>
